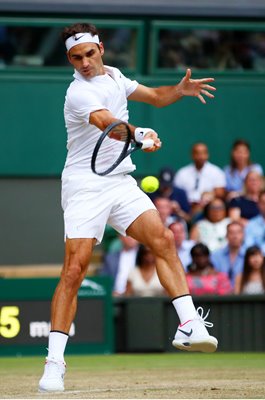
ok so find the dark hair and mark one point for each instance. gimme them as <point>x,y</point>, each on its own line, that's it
<point>202,248</point>
<point>252,250</point>
<point>140,254</point>
<point>239,142</point>
<point>78,28</point>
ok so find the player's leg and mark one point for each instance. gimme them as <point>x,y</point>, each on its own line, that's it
<point>149,230</point>
<point>191,335</point>
<point>77,256</point>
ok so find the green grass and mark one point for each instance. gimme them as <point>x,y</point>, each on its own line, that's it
<point>139,361</point>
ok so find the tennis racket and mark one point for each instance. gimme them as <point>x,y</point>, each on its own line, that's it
<point>120,131</point>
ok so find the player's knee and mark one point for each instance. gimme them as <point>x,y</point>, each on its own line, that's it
<point>73,277</point>
<point>164,243</point>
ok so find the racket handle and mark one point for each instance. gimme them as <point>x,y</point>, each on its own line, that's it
<point>147,143</point>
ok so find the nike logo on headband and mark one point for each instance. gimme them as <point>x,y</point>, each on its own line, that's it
<point>79,37</point>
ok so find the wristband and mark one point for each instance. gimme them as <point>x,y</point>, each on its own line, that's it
<point>140,133</point>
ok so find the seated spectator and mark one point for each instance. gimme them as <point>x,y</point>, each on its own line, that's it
<point>211,230</point>
<point>177,196</point>
<point>255,228</point>
<point>143,280</point>
<point>252,279</point>
<point>230,258</point>
<point>183,245</point>
<point>240,165</point>
<point>201,180</point>
<point>245,207</point>
<point>164,207</point>
<point>118,264</point>
<point>202,277</point>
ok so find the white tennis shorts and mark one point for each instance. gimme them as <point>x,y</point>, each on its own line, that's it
<point>90,202</point>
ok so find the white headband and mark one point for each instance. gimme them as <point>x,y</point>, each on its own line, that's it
<point>78,38</point>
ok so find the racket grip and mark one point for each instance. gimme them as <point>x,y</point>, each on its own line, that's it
<point>147,143</point>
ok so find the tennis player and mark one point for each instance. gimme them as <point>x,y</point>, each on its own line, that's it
<point>96,98</point>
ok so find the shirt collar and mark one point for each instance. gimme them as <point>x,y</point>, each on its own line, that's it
<point>80,77</point>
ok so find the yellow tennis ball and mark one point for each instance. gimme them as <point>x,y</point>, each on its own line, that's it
<point>149,184</point>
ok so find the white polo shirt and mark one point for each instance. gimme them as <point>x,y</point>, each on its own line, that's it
<point>108,91</point>
<point>195,182</point>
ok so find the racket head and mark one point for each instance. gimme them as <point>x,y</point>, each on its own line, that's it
<point>118,131</point>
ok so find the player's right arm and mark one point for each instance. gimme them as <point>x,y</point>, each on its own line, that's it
<point>103,118</point>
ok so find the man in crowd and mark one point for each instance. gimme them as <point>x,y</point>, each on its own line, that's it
<point>230,258</point>
<point>183,245</point>
<point>255,229</point>
<point>201,180</point>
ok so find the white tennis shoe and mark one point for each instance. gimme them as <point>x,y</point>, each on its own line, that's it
<point>53,378</point>
<point>193,335</point>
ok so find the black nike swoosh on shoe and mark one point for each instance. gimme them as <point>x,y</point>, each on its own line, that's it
<point>79,37</point>
<point>186,333</point>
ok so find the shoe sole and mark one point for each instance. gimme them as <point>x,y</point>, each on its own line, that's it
<point>208,345</point>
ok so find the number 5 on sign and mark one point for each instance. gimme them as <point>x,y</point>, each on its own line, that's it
<point>9,323</point>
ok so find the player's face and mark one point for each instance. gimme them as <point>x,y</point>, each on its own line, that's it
<point>87,59</point>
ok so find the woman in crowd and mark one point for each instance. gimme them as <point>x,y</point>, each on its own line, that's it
<point>211,230</point>
<point>240,166</point>
<point>252,279</point>
<point>202,277</point>
<point>245,206</point>
<point>143,279</point>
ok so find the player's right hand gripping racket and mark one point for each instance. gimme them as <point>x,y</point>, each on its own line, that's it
<point>120,131</point>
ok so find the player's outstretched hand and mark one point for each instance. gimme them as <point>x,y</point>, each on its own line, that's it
<point>157,143</point>
<point>196,87</point>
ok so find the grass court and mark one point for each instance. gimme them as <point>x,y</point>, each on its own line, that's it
<point>149,376</point>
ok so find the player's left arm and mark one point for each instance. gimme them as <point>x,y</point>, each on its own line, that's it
<point>165,95</point>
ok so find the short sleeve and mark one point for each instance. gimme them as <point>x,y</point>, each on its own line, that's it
<point>129,85</point>
<point>84,102</point>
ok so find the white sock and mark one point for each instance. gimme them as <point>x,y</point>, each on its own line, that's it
<point>185,308</point>
<point>57,343</point>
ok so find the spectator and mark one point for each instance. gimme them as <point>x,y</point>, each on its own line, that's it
<point>177,196</point>
<point>252,280</point>
<point>183,245</point>
<point>211,230</point>
<point>164,207</point>
<point>255,228</point>
<point>202,277</point>
<point>240,165</point>
<point>201,180</point>
<point>143,280</point>
<point>230,258</point>
<point>118,264</point>
<point>245,207</point>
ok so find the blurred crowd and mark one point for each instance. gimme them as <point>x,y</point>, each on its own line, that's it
<point>219,49</point>
<point>217,218</point>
